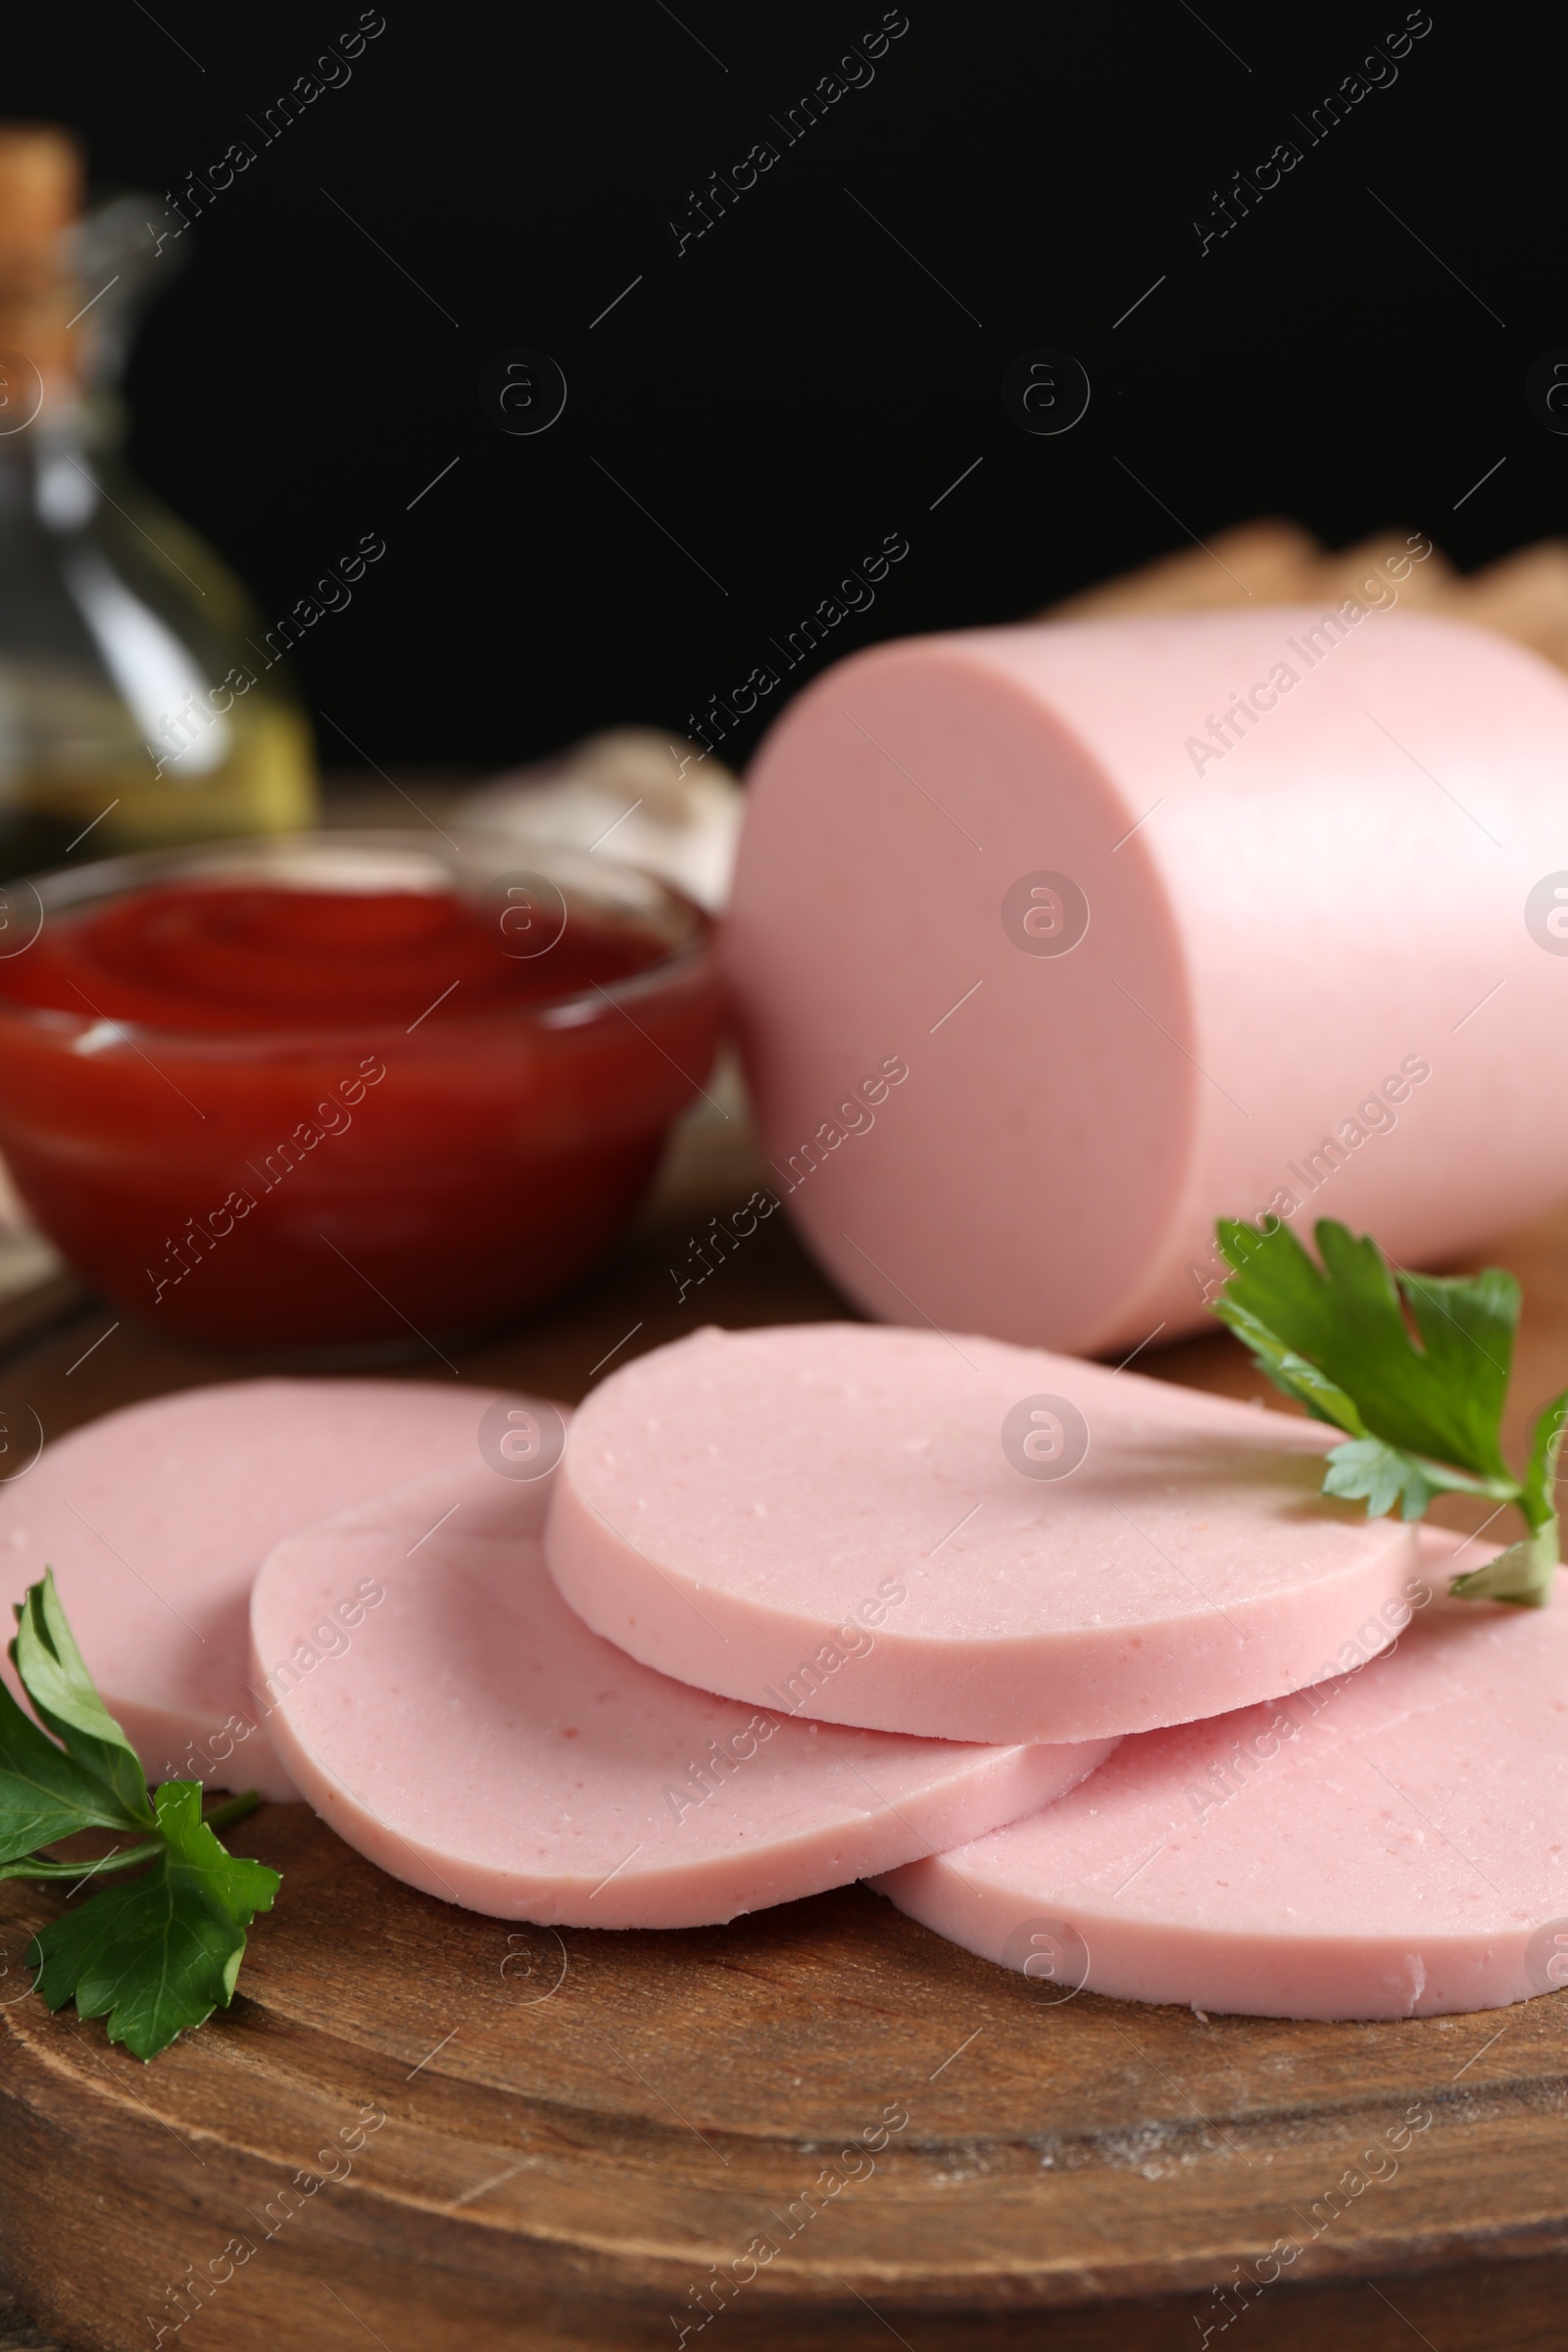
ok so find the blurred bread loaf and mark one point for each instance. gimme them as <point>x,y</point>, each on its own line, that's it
<point>1523,596</point>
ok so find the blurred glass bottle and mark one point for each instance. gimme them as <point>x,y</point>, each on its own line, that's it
<point>133,699</point>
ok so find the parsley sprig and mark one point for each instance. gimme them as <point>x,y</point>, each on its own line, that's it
<point>156,1953</point>
<point>1423,1411</point>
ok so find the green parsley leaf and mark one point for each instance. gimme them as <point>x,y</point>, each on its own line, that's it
<point>1422,1412</point>
<point>46,1658</point>
<point>155,1954</point>
<point>43,1794</point>
<point>159,1953</point>
<point>1524,1573</point>
<point>1365,1466</point>
<point>1292,1372</point>
<point>1541,1479</point>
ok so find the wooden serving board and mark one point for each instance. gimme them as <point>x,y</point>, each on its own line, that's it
<point>435,2133</point>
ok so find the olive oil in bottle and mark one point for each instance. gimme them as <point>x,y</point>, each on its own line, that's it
<point>135,708</point>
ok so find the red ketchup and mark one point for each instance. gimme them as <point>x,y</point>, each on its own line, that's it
<point>264,1113</point>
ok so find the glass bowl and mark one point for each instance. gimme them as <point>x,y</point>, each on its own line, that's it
<point>235,1093</point>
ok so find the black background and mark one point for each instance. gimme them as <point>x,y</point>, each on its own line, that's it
<point>795,385</point>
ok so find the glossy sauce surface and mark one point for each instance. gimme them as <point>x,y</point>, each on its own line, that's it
<point>253,958</point>
<point>284,1116</point>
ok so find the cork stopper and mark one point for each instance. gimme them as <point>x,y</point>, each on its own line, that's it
<point>41,185</point>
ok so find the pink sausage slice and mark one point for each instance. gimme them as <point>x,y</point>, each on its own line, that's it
<point>895,1527</point>
<point>156,1518</point>
<point>447,1714</point>
<point>1389,1844</point>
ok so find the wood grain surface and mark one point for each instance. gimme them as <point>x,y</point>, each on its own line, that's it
<point>424,2129</point>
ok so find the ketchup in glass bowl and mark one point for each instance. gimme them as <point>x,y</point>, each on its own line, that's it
<point>345,1088</point>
